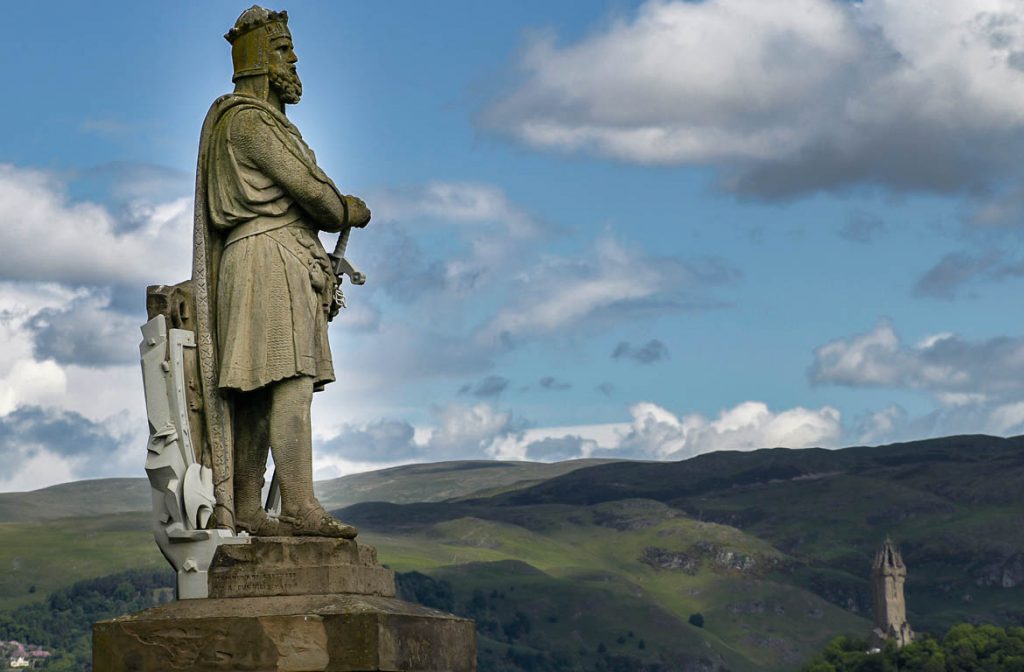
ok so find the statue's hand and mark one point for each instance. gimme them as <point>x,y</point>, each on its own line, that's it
<point>358,213</point>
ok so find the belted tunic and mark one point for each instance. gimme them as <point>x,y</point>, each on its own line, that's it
<point>274,284</point>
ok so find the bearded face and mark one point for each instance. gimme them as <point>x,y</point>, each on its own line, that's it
<point>285,81</point>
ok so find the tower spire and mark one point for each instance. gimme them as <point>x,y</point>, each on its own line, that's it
<point>888,575</point>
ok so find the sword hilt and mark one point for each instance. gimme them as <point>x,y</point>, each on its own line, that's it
<point>343,266</point>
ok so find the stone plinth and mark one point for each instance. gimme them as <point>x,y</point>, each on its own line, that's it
<point>277,566</point>
<point>305,633</point>
<point>289,605</point>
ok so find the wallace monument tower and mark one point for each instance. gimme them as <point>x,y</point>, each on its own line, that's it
<point>231,359</point>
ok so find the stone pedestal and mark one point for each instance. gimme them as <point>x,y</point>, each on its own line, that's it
<point>272,566</point>
<point>296,605</point>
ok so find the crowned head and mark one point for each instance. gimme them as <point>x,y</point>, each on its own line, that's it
<point>263,55</point>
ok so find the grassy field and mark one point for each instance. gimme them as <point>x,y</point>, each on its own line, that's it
<point>42,556</point>
<point>749,616</point>
<point>577,562</point>
<point>72,500</point>
<point>441,481</point>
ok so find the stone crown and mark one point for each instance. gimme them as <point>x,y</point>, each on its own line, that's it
<point>253,18</point>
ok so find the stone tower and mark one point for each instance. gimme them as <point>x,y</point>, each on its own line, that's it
<point>887,578</point>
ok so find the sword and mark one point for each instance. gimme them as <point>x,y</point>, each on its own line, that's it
<point>343,266</point>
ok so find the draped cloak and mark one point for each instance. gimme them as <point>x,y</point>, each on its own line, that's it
<point>261,280</point>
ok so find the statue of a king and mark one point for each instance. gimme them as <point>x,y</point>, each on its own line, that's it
<point>264,286</point>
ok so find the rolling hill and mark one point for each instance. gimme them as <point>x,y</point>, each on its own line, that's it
<point>601,566</point>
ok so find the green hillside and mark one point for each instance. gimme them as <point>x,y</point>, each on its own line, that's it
<point>441,480</point>
<point>569,567</point>
<point>40,557</point>
<point>666,562</point>
<point>952,503</point>
<point>71,500</point>
<point>411,483</point>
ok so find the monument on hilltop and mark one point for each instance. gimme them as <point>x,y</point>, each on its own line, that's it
<point>231,359</point>
<point>887,578</point>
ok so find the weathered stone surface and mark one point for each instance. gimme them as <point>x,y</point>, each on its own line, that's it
<point>274,566</point>
<point>308,633</point>
<point>887,578</point>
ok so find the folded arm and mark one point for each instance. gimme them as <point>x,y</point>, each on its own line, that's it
<point>257,137</point>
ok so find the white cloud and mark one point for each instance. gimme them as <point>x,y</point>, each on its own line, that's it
<point>881,425</point>
<point>459,431</point>
<point>945,365</point>
<point>491,231</point>
<point>787,97</point>
<point>45,446</point>
<point>31,471</point>
<point>31,382</point>
<point>655,433</point>
<point>472,204</point>
<point>977,386</point>
<point>46,238</point>
<point>610,282</point>
<point>23,378</point>
<point>1007,417</point>
<point>87,332</point>
<point>660,434</point>
<point>475,282</point>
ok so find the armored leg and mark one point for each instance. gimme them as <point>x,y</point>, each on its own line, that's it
<point>252,445</point>
<point>291,440</point>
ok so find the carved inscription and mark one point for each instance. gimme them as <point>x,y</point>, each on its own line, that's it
<point>238,584</point>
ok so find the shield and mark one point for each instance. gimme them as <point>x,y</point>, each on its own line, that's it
<point>183,492</point>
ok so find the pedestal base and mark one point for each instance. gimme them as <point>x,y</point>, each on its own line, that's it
<point>289,605</point>
<point>307,633</point>
<point>272,566</point>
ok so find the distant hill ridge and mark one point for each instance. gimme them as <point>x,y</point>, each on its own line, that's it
<point>405,484</point>
<point>972,466</point>
<point>609,561</point>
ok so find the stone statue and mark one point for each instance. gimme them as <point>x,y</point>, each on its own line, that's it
<point>231,358</point>
<point>264,286</point>
<point>230,361</point>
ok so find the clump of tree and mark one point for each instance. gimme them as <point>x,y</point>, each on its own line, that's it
<point>417,587</point>
<point>63,622</point>
<point>965,648</point>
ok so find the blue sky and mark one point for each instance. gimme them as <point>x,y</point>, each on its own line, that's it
<point>643,229</point>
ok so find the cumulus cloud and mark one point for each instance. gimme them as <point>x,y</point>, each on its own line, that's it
<point>459,431</point>
<point>943,364</point>
<point>657,433</point>
<point>43,447</point>
<point>46,238</point>
<point>86,332</point>
<point>786,98</point>
<point>379,441</point>
<point>552,449</point>
<point>23,378</point>
<point>649,353</point>
<point>977,385</point>
<point>31,382</point>
<point>654,433</point>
